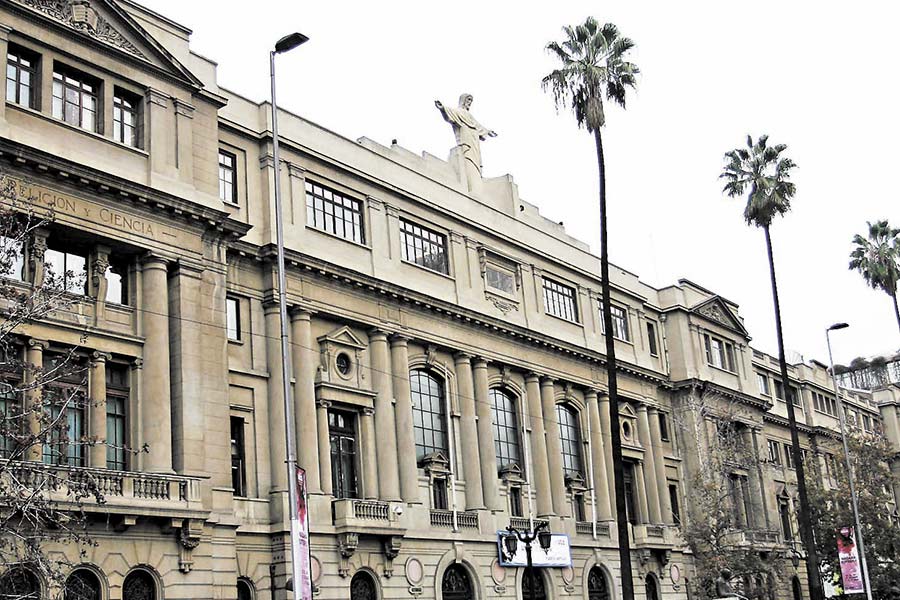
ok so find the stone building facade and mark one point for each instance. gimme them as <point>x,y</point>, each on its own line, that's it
<point>446,364</point>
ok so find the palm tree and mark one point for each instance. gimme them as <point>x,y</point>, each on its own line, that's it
<point>877,257</point>
<point>592,66</point>
<point>763,170</point>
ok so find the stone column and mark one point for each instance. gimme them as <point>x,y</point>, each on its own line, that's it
<point>34,360</point>
<point>539,475</point>
<point>385,428</point>
<point>406,441</point>
<point>277,444</point>
<point>303,363</point>
<point>468,432</point>
<point>607,453</point>
<point>554,449</point>
<point>598,460</point>
<point>489,476</point>
<point>324,441</point>
<point>659,461</point>
<point>369,458</point>
<point>97,422</point>
<point>156,409</point>
<point>641,490</point>
<point>650,464</point>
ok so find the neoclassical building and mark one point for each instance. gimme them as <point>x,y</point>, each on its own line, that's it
<point>446,352</point>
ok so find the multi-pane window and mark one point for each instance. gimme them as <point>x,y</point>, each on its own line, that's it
<point>116,406</point>
<point>794,392</point>
<point>423,247</point>
<point>559,300</point>
<point>579,508</point>
<point>675,504</point>
<point>499,278</point>
<point>334,213</point>
<point>429,419</point>
<point>788,457</point>
<point>619,322</point>
<point>630,495</point>
<point>126,119</point>
<point>651,338</point>
<point>784,514</point>
<point>233,318</point>
<point>663,427</point>
<point>117,283</point>
<point>68,269</point>
<point>75,99</point>
<point>21,70</point>
<point>227,177</point>
<point>9,426</point>
<point>238,457</point>
<point>775,452</point>
<point>515,501</point>
<point>719,353</point>
<point>506,433</point>
<point>739,489</point>
<point>439,494</point>
<point>570,439</point>
<point>12,259</point>
<point>763,381</point>
<point>65,398</point>
<point>342,435</point>
<point>825,404</point>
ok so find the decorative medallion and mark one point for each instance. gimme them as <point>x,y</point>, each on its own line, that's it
<point>674,573</point>
<point>568,574</point>
<point>498,572</point>
<point>315,567</point>
<point>81,16</point>
<point>414,571</point>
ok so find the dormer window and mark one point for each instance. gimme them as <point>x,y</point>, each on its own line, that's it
<point>75,99</point>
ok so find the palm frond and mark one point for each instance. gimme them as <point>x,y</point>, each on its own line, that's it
<point>761,168</point>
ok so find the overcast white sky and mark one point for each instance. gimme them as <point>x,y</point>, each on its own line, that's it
<point>820,77</point>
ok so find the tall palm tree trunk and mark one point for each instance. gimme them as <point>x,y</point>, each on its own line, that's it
<point>618,467</point>
<point>896,308</point>
<point>816,591</point>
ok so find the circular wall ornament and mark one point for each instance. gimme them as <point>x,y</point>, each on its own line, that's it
<point>315,568</point>
<point>498,572</point>
<point>344,364</point>
<point>414,571</point>
<point>675,573</point>
<point>568,575</point>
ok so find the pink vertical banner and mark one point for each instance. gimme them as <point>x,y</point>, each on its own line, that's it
<point>304,590</point>
<point>851,572</point>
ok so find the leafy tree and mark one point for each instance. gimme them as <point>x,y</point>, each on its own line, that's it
<point>877,258</point>
<point>829,494</point>
<point>593,65</point>
<point>764,174</point>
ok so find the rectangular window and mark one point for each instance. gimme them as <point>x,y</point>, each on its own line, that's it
<point>515,501</point>
<point>788,457</point>
<point>233,318</point>
<point>66,401</point>
<point>784,513</point>
<point>227,177</point>
<point>775,452</point>
<point>342,437</point>
<point>651,338</point>
<point>499,279</point>
<point>238,460</point>
<point>619,322</point>
<point>439,494</point>
<point>126,118</point>
<point>117,391</point>
<point>12,259</point>
<point>795,396</point>
<point>423,247</point>
<point>117,283</point>
<point>334,213</point>
<point>21,73</point>
<point>630,506</point>
<point>663,427</point>
<point>67,269</point>
<point>719,353</point>
<point>763,381</point>
<point>578,505</point>
<point>75,99</point>
<point>9,409</point>
<point>676,506</point>
<point>559,300</point>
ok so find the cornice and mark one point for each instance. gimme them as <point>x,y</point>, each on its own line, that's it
<point>703,385</point>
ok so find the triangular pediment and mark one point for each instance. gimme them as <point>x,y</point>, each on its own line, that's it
<point>715,310</point>
<point>343,336</point>
<point>106,23</point>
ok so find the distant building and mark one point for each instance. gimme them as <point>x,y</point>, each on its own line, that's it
<point>446,347</point>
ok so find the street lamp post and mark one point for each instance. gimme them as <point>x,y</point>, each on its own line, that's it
<point>511,542</point>
<point>850,474</point>
<point>288,42</point>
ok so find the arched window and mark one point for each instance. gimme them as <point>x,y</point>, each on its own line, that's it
<point>651,588</point>
<point>797,588</point>
<point>21,584</point>
<point>362,587</point>
<point>506,428</point>
<point>83,584</point>
<point>139,585</point>
<point>244,590</point>
<point>429,420</point>
<point>570,439</point>
<point>456,584</point>
<point>598,589</point>
<point>540,591</point>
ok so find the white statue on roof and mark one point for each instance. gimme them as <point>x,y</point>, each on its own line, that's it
<point>469,135</point>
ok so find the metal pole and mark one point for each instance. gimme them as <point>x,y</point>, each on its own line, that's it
<point>531,590</point>
<point>285,357</point>
<point>850,475</point>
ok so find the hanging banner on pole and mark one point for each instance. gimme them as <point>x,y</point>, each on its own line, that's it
<point>304,590</point>
<point>851,573</point>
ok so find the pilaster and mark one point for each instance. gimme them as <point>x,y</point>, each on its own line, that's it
<point>469,432</point>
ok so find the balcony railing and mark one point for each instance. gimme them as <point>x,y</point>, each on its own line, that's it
<point>522,523</point>
<point>587,528</point>
<point>444,518</point>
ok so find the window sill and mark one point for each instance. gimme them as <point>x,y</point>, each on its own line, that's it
<point>237,342</point>
<point>230,204</point>
<point>336,236</point>
<point>723,369</point>
<point>87,132</point>
<point>629,342</point>
<point>427,269</point>
<point>564,320</point>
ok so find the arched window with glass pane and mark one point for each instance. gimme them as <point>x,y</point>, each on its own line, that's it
<point>429,419</point>
<point>83,584</point>
<point>139,585</point>
<point>21,584</point>
<point>570,439</point>
<point>598,589</point>
<point>506,429</point>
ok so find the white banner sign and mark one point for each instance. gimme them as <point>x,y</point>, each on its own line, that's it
<point>303,591</point>
<point>558,555</point>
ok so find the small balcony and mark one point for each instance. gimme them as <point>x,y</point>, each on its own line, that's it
<point>464,519</point>
<point>756,538</point>
<point>366,516</point>
<point>652,536</point>
<point>587,528</point>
